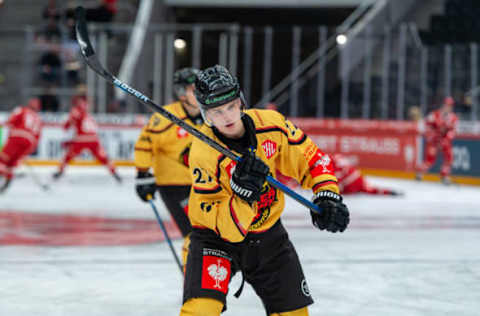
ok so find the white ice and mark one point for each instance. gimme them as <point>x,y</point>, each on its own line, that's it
<point>412,255</point>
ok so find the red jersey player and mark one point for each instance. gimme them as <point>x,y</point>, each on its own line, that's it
<point>24,132</point>
<point>350,179</point>
<point>440,130</point>
<point>85,137</point>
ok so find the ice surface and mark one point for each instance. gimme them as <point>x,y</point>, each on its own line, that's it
<point>412,255</point>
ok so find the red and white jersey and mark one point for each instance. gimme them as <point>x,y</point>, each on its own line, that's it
<point>25,123</point>
<point>441,125</point>
<point>345,171</point>
<point>83,123</point>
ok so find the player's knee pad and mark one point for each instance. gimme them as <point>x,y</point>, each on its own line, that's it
<point>185,247</point>
<point>202,307</point>
<point>298,312</point>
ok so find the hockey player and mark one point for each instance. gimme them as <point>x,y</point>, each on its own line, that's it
<point>440,130</point>
<point>85,138</point>
<point>164,148</point>
<point>351,180</point>
<point>235,214</point>
<point>24,132</point>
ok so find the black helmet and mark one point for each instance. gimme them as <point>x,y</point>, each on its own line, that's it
<point>182,78</point>
<point>215,86</point>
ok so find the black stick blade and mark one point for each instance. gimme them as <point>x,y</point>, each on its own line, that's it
<point>86,47</point>
<point>82,33</point>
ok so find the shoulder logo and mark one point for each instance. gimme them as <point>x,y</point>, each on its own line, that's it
<point>270,148</point>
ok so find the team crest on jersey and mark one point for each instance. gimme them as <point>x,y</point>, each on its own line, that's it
<point>181,133</point>
<point>267,197</point>
<point>216,271</point>
<point>270,148</point>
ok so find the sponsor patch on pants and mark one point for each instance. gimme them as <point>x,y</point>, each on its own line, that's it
<point>216,272</point>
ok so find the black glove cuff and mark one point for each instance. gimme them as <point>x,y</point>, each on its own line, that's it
<point>327,195</point>
<point>144,174</point>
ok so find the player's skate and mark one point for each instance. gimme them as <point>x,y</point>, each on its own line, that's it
<point>117,177</point>
<point>4,183</point>
<point>57,175</point>
<point>419,176</point>
<point>396,193</point>
<point>446,180</point>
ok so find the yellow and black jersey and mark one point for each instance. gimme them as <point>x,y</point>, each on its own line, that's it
<point>283,147</point>
<point>165,147</point>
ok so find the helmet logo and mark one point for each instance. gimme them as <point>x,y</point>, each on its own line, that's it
<point>221,98</point>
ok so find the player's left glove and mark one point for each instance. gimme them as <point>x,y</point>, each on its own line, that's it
<point>145,186</point>
<point>334,216</point>
<point>249,177</point>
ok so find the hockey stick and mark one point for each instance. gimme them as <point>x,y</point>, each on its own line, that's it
<point>165,233</point>
<point>92,61</point>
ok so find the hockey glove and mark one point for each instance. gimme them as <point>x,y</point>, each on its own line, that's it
<point>249,177</point>
<point>334,214</point>
<point>145,185</point>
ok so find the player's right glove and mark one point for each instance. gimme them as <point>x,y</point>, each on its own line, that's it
<point>249,177</point>
<point>334,216</point>
<point>145,185</point>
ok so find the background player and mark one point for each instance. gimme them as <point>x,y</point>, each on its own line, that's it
<point>440,128</point>
<point>85,138</point>
<point>164,147</point>
<point>25,126</point>
<point>350,179</point>
<point>235,214</point>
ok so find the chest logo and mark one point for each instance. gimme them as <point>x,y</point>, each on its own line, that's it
<point>270,148</point>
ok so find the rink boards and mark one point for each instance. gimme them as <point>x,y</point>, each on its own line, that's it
<point>386,148</point>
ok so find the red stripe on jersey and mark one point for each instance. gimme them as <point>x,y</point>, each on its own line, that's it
<point>143,149</point>
<point>216,189</point>
<point>235,219</point>
<point>322,184</point>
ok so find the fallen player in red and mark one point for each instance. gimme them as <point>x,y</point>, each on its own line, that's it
<point>350,179</point>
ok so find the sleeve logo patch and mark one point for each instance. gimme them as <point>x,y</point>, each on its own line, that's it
<point>270,148</point>
<point>324,162</point>
<point>216,273</point>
